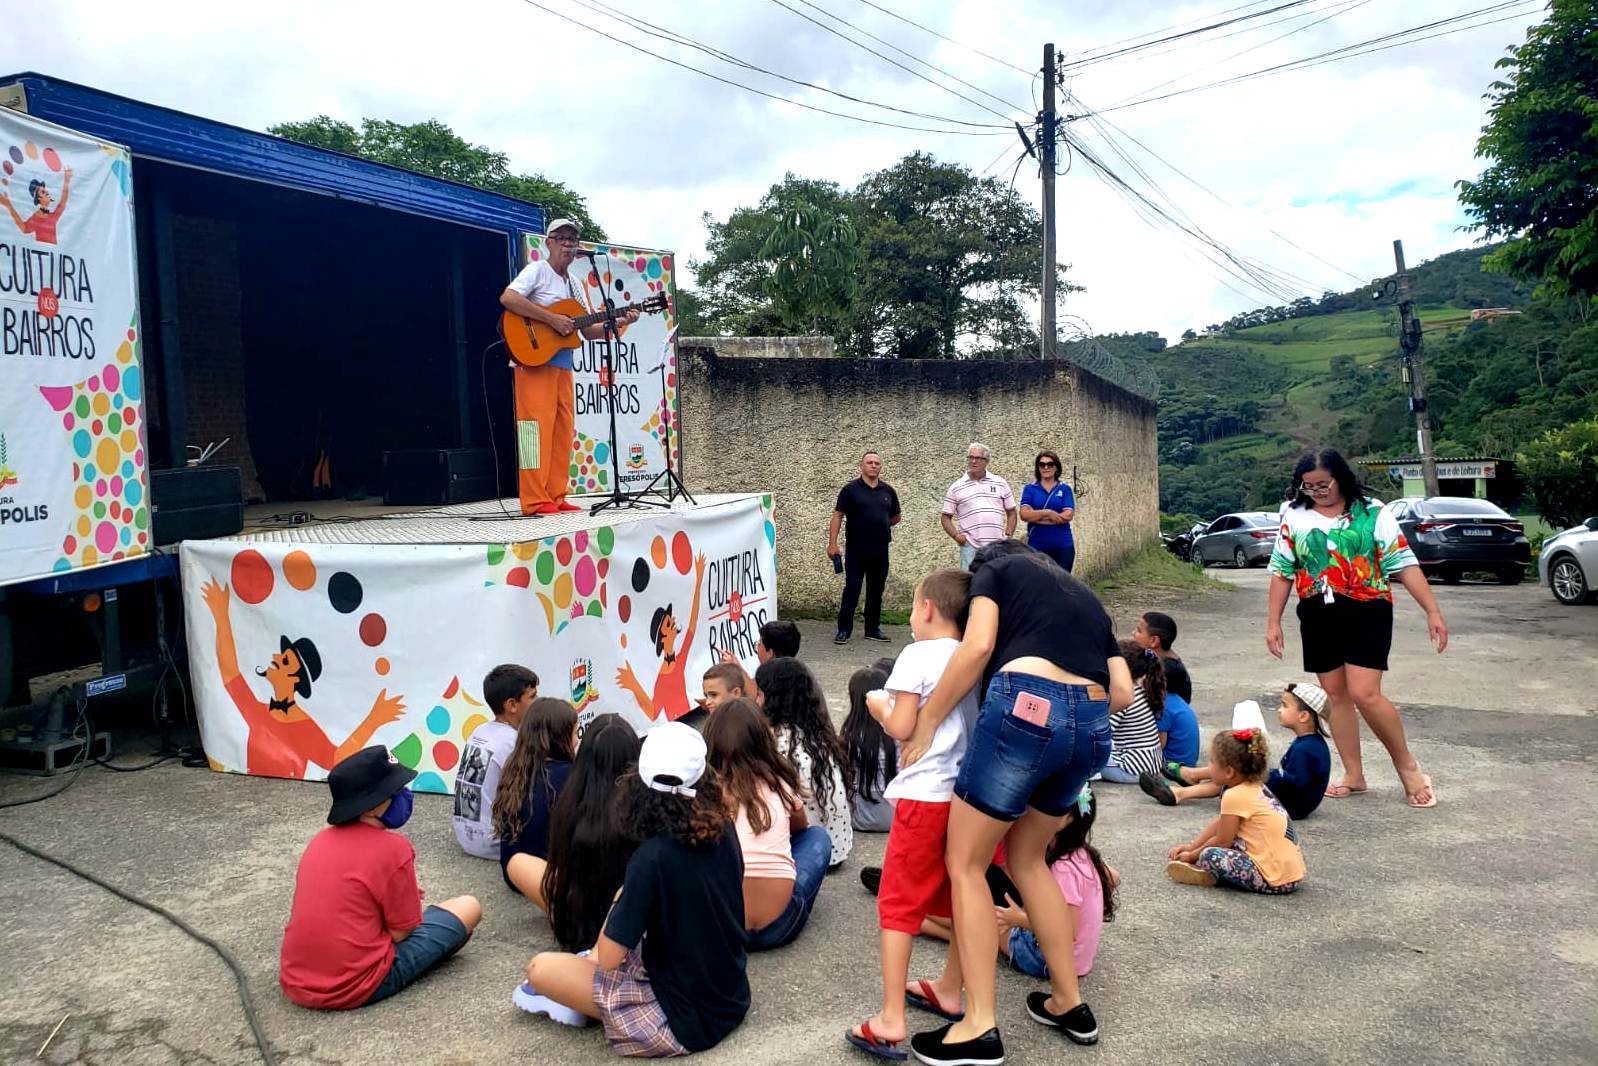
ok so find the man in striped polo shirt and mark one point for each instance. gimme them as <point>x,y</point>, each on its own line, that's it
<point>979,508</point>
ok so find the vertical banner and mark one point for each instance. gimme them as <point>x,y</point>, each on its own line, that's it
<point>72,455</point>
<point>302,653</point>
<point>646,397</point>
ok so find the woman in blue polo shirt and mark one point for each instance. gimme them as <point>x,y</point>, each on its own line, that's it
<point>1047,507</point>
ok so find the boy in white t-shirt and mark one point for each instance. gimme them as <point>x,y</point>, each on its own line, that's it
<point>508,689</point>
<point>915,881</point>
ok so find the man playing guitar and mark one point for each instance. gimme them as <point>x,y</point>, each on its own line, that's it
<point>545,406</point>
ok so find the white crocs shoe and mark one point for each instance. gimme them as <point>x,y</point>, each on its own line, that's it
<point>528,999</point>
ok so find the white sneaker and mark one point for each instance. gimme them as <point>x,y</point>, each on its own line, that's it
<point>528,999</point>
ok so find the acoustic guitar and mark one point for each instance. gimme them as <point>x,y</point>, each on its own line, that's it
<point>534,344</point>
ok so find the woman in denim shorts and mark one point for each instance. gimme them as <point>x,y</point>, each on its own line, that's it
<point>1044,650</point>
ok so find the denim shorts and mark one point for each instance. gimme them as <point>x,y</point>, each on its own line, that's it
<point>1026,954</point>
<point>1011,764</point>
<point>440,935</point>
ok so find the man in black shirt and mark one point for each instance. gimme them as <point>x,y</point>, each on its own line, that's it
<point>872,509</point>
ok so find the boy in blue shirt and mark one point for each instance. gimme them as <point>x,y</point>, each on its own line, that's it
<point>1299,782</point>
<point>1179,732</point>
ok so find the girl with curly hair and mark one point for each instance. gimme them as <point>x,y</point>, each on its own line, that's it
<point>791,697</point>
<point>1252,844</point>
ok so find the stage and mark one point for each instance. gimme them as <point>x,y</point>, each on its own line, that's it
<point>309,641</point>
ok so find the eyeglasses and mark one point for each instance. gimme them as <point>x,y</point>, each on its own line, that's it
<point>563,240</point>
<point>976,458</point>
<point>1050,464</point>
<point>1320,489</point>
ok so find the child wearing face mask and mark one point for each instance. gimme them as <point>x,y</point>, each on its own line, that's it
<point>357,932</point>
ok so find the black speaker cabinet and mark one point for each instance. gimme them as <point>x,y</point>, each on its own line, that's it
<point>195,502</point>
<point>434,476</point>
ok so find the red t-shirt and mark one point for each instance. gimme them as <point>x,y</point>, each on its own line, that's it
<point>671,692</point>
<point>42,225</point>
<point>277,748</point>
<point>355,883</point>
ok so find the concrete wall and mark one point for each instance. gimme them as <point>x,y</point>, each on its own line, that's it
<point>798,426</point>
<point>765,347</point>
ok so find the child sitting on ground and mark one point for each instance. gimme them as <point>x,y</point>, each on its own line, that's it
<point>508,690</point>
<point>1252,845</point>
<point>357,932</point>
<point>1300,781</point>
<point>1156,631</point>
<point>1135,747</point>
<point>1088,884</point>
<point>872,757</point>
<point>793,703</point>
<point>1179,732</point>
<point>666,976</point>
<point>915,881</point>
<point>534,775</point>
<point>724,681</point>
<point>784,857</point>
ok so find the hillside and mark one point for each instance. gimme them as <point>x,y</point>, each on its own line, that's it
<point>1241,401</point>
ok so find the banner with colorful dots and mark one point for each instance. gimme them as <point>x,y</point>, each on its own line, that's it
<point>646,393</point>
<point>73,481</point>
<point>302,653</point>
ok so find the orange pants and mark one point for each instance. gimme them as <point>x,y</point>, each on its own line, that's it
<point>545,414</point>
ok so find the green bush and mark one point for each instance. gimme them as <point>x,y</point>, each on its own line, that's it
<point>1561,470</point>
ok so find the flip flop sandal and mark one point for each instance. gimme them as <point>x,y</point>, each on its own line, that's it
<point>1409,798</point>
<point>1338,792</point>
<point>923,999</point>
<point>871,1044</point>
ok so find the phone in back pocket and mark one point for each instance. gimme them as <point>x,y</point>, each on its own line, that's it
<point>1030,708</point>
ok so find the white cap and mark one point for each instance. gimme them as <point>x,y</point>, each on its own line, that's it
<point>673,750</point>
<point>562,223</point>
<point>1313,695</point>
<point>1247,715</point>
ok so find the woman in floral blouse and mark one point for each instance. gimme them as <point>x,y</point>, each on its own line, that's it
<point>1339,550</point>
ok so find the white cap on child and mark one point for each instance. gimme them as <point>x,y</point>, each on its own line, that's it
<point>674,750</point>
<point>1246,714</point>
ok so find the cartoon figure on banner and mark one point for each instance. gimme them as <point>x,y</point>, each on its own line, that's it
<point>670,695</point>
<point>41,225</point>
<point>283,738</point>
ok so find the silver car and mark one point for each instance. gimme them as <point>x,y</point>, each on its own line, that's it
<point>1569,563</point>
<point>1245,538</point>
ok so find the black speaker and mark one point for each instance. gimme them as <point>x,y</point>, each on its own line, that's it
<point>435,476</point>
<point>194,502</point>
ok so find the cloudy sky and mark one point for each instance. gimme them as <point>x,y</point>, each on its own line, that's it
<point>1338,159</point>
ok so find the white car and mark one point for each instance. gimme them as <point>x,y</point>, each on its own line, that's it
<point>1569,563</point>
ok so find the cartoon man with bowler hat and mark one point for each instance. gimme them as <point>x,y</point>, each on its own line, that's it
<point>283,737</point>
<point>671,685</point>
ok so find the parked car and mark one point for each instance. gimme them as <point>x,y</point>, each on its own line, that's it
<point>1453,534</point>
<point>1181,544</point>
<point>1569,563</point>
<point>1245,538</point>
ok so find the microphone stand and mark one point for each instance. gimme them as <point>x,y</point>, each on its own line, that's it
<point>674,486</point>
<point>617,497</point>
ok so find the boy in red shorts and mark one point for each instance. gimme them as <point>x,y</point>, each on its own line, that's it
<point>915,882</point>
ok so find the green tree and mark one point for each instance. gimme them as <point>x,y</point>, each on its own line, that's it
<point>1541,187</point>
<point>1561,469</point>
<point>433,148</point>
<point>814,255</point>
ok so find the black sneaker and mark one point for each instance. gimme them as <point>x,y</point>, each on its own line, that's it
<point>1077,1023</point>
<point>841,638</point>
<point>880,635</point>
<point>932,1049</point>
<point>871,877</point>
<point>1157,787</point>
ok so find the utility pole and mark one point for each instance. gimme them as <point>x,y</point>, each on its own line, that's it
<point>1046,159</point>
<point>1409,344</point>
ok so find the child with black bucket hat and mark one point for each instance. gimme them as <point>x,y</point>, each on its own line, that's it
<point>357,932</point>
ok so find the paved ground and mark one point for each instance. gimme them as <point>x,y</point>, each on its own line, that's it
<point>1463,934</point>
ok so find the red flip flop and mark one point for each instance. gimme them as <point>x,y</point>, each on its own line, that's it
<point>871,1044</point>
<point>923,998</point>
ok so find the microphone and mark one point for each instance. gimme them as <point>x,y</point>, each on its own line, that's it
<point>586,255</point>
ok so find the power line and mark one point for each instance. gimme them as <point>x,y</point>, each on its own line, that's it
<point>1375,44</point>
<point>1174,26</point>
<point>888,59</point>
<point>645,26</point>
<point>761,92</point>
<point>1085,61</point>
<point>951,40</point>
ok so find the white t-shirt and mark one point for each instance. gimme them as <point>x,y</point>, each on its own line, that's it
<point>539,283</point>
<point>835,818</point>
<point>476,782</point>
<point>931,777</point>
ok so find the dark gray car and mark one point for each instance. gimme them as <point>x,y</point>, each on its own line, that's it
<point>1243,538</point>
